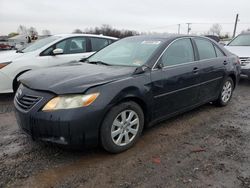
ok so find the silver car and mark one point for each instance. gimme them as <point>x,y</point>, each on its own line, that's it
<point>240,46</point>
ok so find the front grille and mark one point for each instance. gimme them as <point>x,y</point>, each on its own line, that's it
<point>26,102</point>
<point>244,61</point>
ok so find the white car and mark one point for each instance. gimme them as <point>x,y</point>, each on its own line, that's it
<point>240,46</point>
<point>51,51</point>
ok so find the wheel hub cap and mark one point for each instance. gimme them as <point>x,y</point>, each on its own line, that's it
<point>125,127</point>
<point>226,92</point>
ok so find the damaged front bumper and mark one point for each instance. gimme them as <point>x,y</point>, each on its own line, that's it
<point>74,127</point>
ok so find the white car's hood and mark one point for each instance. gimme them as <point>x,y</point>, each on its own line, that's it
<point>9,56</point>
<point>240,51</point>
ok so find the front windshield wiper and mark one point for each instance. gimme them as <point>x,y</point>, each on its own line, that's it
<point>98,62</point>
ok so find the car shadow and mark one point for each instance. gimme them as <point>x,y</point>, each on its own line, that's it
<point>6,97</point>
<point>244,81</point>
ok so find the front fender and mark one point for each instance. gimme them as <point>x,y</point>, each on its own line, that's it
<point>136,88</point>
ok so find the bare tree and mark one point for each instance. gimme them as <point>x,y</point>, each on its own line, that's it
<point>33,31</point>
<point>77,31</point>
<point>22,30</point>
<point>216,29</point>
<point>109,31</point>
<point>46,32</point>
<point>246,31</point>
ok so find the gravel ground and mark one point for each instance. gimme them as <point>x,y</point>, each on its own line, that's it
<point>207,147</point>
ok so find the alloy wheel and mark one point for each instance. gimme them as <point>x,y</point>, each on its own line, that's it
<point>226,92</point>
<point>125,127</point>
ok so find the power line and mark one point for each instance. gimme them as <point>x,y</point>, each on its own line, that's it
<point>199,23</point>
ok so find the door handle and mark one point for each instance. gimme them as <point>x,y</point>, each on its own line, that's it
<point>195,70</point>
<point>225,62</point>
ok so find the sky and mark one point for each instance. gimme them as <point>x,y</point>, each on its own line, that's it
<point>64,16</point>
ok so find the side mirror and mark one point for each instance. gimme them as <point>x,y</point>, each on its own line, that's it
<point>57,51</point>
<point>141,69</point>
<point>159,66</point>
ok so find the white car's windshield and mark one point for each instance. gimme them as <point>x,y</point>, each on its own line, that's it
<point>126,52</point>
<point>241,40</point>
<point>39,44</point>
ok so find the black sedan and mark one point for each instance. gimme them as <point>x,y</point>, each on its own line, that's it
<point>132,84</point>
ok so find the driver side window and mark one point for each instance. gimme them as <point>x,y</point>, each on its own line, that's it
<point>69,46</point>
<point>179,52</point>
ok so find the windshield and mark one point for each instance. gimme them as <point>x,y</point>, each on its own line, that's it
<point>39,44</point>
<point>127,52</point>
<point>241,40</point>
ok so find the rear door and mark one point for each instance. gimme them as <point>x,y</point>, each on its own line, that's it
<point>99,43</point>
<point>175,86</point>
<point>212,69</point>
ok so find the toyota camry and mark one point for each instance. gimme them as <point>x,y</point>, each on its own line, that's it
<point>132,84</point>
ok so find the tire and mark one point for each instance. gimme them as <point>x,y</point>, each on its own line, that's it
<point>226,92</point>
<point>16,85</point>
<point>125,133</point>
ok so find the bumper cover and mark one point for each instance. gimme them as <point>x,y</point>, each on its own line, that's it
<point>74,127</point>
<point>245,71</point>
<point>5,84</point>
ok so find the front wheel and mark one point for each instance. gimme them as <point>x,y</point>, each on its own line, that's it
<point>226,92</point>
<point>122,127</point>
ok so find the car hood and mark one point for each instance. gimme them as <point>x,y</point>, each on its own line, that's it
<point>74,78</point>
<point>9,56</point>
<point>240,51</point>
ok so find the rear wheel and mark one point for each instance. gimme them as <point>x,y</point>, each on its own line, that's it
<point>226,92</point>
<point>122,127</point>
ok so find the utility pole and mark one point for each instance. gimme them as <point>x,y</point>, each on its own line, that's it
<point>179,28</point>
<point>235,24</point>
<point>189,28</point>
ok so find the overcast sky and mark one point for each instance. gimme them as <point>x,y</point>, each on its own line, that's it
<point>63,16</point>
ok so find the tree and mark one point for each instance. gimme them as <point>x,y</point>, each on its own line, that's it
<point>46,32</point>
<point>32,31</point>
<point>109,31</point>
<point>22,30</point>
<point>79,31</point>
<point>12,34</point>
<point>246,31</point>
<point>216,29</point>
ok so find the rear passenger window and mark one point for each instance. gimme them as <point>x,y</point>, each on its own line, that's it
<point>205,49</point>
<point>219,52</point>
<point>181,51</point>
<point>98,43</point>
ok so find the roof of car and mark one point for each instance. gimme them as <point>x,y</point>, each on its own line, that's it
<point>165,37</point>
<point>245,33</point>
<point>86,35</point>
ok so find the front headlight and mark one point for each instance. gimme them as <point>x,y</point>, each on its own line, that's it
<point>2,65</point>
<point>70,101</point>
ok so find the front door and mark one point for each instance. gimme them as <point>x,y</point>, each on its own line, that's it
<point>175,86</point>
<point>74,49</point>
